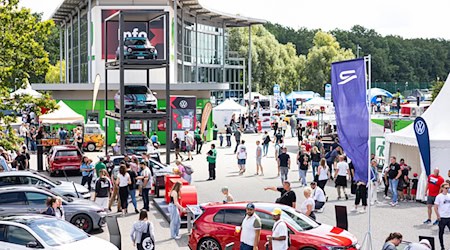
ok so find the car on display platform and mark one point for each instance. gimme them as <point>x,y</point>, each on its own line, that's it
<point>137,98</point>
<point>63,158</point>
<point>215,228</point>
<point>47,233</point>
<point>32,178</point>
<point>84,214</point>
<point>137,48</point>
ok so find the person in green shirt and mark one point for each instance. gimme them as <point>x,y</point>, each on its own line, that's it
<point>198,140</point>
<point>99,166</point>
<point>211,159</point>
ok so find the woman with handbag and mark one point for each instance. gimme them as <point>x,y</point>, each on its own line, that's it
<point>142,233</point>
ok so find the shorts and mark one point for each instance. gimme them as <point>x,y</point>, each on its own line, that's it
<point>188,148</point>
<point>405,191</point>
<point>413,191</point>
<point>258,161</point>
<point>241,161</point>
<point>430,200</point>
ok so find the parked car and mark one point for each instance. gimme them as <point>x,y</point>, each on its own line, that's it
<point>63,157</point>
<point>46,232</point>
<point>137,48</point>
<point>84,214</point>
<point>64,188</point>
<point>216,227</point>
<point>137,98</point>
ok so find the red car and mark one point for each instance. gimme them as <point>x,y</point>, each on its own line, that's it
<point>63,157</point>
<point>216,227</point>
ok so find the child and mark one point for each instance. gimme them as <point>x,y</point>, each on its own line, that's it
<point>414,181</point>
<point>221,138</point>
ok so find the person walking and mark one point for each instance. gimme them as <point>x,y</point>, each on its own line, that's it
<point>211,159</point>
<point>174,214</point>
<point>146,178</point>
<point>250,229</point>
<point>361,196</point>
<point>303,159</point>
<point>323,174</point>
<point>279,238</point>
<point>442,210</point>
<point>132,187</point>
<point>221,139</point>
<point>293,124</point>
<point>342,170</point>
<point>259,155</point>
<point>315,161</point>
<point>318,196</point>
<point>433,188</point>
<point>177,145</point>
<point>287,195</point>
<point>392,241</point>
<point>241,156</point>
<point>308,205</point>
<point>143,231</point>
<point>266,141</point>
<point>228,135</point>
<point>52,204</point>
<point>284,127</point>
<point>87,172</point>
<point>284,164</point>
<point>331,158</point>
<point>189,139</point>
<point>374,182</point>
<point>183,172</point>
<point>237,137</point>
<point>198,140</point>
<point>123,180</point>
<point>394,175</point>
<point>227,195</point>
<point>102,189</point>
<point>115,194</point>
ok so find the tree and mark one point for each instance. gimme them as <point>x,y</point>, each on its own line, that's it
<point>22,55</point>
<point>437,86</point>
<point>53,73</point>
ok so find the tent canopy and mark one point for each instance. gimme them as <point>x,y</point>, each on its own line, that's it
<point>223,113</point>
<point>26,91</point>
<point>374,92</point>
<point>301,95</point>
<point>318,101</point>
<point>255,94</point>
<point>229,105</point>
<point>64,115</point>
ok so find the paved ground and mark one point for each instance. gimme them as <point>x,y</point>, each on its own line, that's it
<point>407,218</point>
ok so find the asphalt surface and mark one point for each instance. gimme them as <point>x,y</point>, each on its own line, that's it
<point>406,218</point>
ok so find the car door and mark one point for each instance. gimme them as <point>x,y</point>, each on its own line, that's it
<point>225,229</point>
<point>17,238</point>
<point>36,202</point>
<point>266,227</point>
<point>12,203</point>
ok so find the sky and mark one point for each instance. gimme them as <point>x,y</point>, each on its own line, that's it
<point>409,19</point>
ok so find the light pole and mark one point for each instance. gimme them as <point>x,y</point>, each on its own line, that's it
<point>358,48</point>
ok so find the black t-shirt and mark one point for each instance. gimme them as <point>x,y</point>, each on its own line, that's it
<point>177,143</point>
<point>351,167</point>
<point>284,158</point>
<point>304,161</point>
<point>405,172</point>
<point>278,136</point>
<point>21,161</point>
<point>133,176</point>
<point>315,157</point>
<point>393,170</point>
<point>414,183</point>
<point>102,187</point>
<point>287,197</point>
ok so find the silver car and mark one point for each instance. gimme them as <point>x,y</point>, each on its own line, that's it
<point>63,188</point>
<point>84,214</point>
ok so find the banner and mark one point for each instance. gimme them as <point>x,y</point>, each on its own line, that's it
<point>328,92</point>
<point>348,84</point>
<point>183,112</point>
<point>205,116</point>
<point>423,140</point>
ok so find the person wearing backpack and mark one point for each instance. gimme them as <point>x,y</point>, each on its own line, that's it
<point>266,141</point>
<point>185,171</point>
<point>279,240</point>
<point>142,233</point>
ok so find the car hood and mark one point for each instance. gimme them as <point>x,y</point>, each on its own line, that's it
<point>332,236</point>
<point>66,185</point>
<point>89,243</point>
<point>84,203</point>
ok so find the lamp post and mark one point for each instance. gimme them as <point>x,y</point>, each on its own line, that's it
<point>358,48</point>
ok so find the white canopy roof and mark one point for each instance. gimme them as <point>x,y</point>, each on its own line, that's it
<point>229,105</point>
<point>64,115</point>
<point>318,101</point>
<point>26,91</point>
<point>255,94</point>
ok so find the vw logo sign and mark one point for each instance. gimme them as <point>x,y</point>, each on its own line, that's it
<point>419,127</point>
<point>183,104</point>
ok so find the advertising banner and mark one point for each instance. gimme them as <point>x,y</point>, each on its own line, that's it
<point>205,116</point>
<point>328,92</point>
<point>183,112</point>
<point>348,82</point>
<point>423,140</point>
<point>154,31</point>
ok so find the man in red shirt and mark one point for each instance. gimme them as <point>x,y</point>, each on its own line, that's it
<point>433,186</point>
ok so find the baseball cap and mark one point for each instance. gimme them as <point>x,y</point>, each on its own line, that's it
<point>276,211</point>
<point>426,243</point>
<point>415,174</point>
<point>250,206</point>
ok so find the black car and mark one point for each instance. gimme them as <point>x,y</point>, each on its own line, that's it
<point>137,48</point>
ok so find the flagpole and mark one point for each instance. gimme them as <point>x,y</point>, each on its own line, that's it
<point>367,243</point>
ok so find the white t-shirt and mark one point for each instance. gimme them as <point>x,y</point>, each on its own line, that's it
<point>280,229</point>
<point>248,229</point>
<point>242,152</point>
<point>304,206</point>
<point>319,195</point>
<point>147,173</point>
<point>123,180</point>
<point>342,168</point>
<point>443,202</point>
<point>323,174</point>
<point>258,151</point>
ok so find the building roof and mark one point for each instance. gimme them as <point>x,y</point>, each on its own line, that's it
<point>66,8</point>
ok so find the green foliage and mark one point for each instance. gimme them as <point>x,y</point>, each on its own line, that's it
<point>53,75</point>
<point>437,86</point>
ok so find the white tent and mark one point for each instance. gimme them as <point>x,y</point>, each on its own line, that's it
<point>26,91</point>
<point>64,115</point>
<point>255,94</point>
<point>318,101</point>
<point>403,144</point>
<point>223,112</point>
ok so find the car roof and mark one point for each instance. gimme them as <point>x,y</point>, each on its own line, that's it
<point>20,173</point>
<point>242,205</point>
<point>64,147</point>
<point>26,219</point>
<point>22,188</point>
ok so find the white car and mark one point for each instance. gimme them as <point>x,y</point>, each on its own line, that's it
<point>45,232</point>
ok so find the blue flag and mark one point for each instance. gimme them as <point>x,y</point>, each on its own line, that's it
<point>423,140</point>
<point>348,87</point>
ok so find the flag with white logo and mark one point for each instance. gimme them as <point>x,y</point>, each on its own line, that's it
<point>348,87</point>
<point>423,140</point>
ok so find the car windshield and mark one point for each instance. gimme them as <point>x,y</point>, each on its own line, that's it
<point>135,42</point>
<point>65,198</point>
<point>297,220</point>
<point>71,153</point>
<point>57,232</point>
<point>136,90</point>
<point>47,179</point>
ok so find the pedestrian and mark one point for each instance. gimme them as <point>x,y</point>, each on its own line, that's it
<point>211,158</point>
<point>227,195</point>
<point>284,126</point>
<point>221,138</point>
<point>154,138</point>
<point>442,209</point>
<point>143,232</point>
<point>308,205</point>
<point>185,172</point>
<point>189,139</point>
<point>433,187</point>
<point>303,161</point>
<point>115,194</point>
<point>341,172</point>
<point>87,171</point>
<point>52,204</point>
<point>123,180</point>
<point>62,136</point>
<point>237,137</point>
<point>293,124</point>
<point>228,135</point>
<point>315,161</point>
<point>284,164</point>
<point>287,195</point>
<point>132,186</point>
<point>102,189</point>
<point>323,174</point>
<point>415,183</point>
<point>27,157</point>
<point>318,196</point>
<point>279,240</point>
<point>374,182</point>
<point>99,166</point>
<point>331,157</point>
<point>3,163</point>
<point>79,140</point>
<point>259,155</point>
<point>59,211</point>
<point>422,245</point>
<point>385,176</point>
<point>174,211</point>
<point>361,196</point>
<point>299,132</point>
<point>177,145</point>
<point>392,241</point>
<point>21,161</point>
<point>146,178</point>
<point>241,156</point>
<point>394,175</point>
<point>250,229</point>
<point>198,140</point>
<point>266,141</point>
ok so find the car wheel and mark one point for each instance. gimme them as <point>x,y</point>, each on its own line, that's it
<point>208,244</point>
<point>91,147</point>
<point>308,248</point>
<point>83,222</point>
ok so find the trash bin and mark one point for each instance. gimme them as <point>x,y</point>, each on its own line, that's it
<point>215,130</point>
